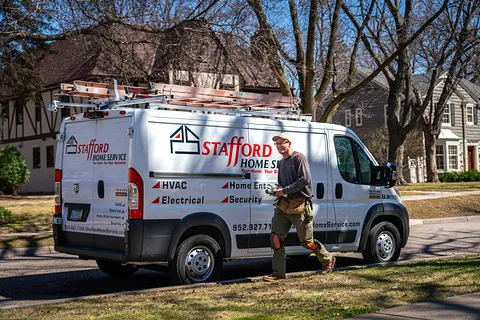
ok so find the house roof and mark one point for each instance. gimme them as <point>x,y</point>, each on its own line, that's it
<point>471,88</point>
<point>141,56</point>
<point>380,79</point>
<point>447,134</point>
<point>421,82</point>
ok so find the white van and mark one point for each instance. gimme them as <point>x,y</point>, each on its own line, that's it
<point>137,187</point>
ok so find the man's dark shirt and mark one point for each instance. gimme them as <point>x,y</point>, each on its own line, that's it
<point>294,176</point>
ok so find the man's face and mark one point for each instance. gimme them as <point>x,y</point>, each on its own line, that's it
<point>283,146</point>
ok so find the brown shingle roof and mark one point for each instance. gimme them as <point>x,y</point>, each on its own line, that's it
<point>140,56</point>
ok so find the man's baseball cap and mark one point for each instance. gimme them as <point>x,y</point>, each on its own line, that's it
<point>282,135</point>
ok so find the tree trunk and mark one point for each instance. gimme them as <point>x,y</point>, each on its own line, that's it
<point>400,177</point>
<point>395,154</point>
<point>430,153</point>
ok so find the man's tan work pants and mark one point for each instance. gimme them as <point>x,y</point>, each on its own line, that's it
<point>281,224</point>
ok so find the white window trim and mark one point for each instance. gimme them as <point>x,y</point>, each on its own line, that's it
<point>358,117</point>
<point>471,107</point>
<point>443,156</point>
<point>447,158</point>
<point>449,123</point>
<point>348,118</point>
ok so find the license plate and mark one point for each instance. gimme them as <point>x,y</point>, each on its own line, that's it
<point>76,215</point>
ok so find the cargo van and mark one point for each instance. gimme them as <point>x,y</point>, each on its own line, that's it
<point>138,187</point>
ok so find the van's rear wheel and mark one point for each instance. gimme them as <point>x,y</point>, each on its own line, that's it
<point>383,244</point>
<point>197,259</point>
<point>116,269</point>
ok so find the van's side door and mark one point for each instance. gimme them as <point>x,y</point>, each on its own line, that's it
<point>202,158</point>
<point>352,194</point>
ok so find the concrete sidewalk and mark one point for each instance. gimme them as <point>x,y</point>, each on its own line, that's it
<point>465,307</point>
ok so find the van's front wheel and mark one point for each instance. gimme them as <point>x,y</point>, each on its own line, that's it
<point>116,269</point>
<point>197,259</point>
<point>383,244</point>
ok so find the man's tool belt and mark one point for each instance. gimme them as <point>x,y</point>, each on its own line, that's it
<point>290,206</point>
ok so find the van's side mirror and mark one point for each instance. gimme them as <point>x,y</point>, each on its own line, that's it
<point>385,176</point>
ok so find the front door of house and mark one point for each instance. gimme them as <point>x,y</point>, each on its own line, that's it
<point>471,158</point>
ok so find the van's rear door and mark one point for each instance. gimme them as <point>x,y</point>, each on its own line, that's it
<point>110,171</point>
<point>77,184</point>
<point>94,183</point>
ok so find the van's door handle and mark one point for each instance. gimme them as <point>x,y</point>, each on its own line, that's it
<point>338,191</point>
<point>320,190</point>
<point>100,189</point>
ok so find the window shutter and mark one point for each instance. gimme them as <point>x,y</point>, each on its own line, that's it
<point>475,114</point>
<point>452,114</point>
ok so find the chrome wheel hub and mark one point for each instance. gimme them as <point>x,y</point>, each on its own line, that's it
<point>199,264</point>
<point>385,246</point>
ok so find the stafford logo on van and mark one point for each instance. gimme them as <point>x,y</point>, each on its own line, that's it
<point>90,149</point>
<point>185,141</point>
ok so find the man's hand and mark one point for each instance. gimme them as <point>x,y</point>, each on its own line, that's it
<point>278,192</point>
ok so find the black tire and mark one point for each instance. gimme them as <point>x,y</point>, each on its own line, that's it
<point>116,269</point>
<point>383,244</point>
<point>197,259</point>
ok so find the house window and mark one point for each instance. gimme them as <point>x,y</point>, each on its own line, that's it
<point>50,157</point>
<point>348,118</point>
<point>453,157</point>
<point>36,158</point>
<point>446,114</point>
<point>358,117</point>
<point>385,115</point>
<point>19,112</point>
<point>440,157</point>
<point>469,113</point>
<point>38,111</point>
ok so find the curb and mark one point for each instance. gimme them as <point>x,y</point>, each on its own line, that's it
<point>414,222</point>
<point>37,251</point>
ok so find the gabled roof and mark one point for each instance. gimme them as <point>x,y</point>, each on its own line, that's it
<point>471,88</point>
<point>421,82</point>
<point>380,79</point>
<point>141,56</point>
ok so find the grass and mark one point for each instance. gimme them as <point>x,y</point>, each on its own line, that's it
<point>444,207</point>
<point>440,187</point>
<point>338,295</point>
<point>32,213</point>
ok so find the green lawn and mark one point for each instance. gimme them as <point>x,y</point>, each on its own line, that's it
<point>440,187</point>
<point>341,294</point>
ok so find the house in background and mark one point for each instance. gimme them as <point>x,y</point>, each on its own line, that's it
<point>190,54</point>
<point>458,146</point>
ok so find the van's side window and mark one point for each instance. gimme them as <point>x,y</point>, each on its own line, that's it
<point>346,159</point>
<point>353,163</point>
<point>364,163</point>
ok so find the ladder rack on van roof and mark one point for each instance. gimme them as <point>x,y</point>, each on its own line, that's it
<point>175,97</point>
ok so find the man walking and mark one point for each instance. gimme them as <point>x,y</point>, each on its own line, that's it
<point>294,184</point>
